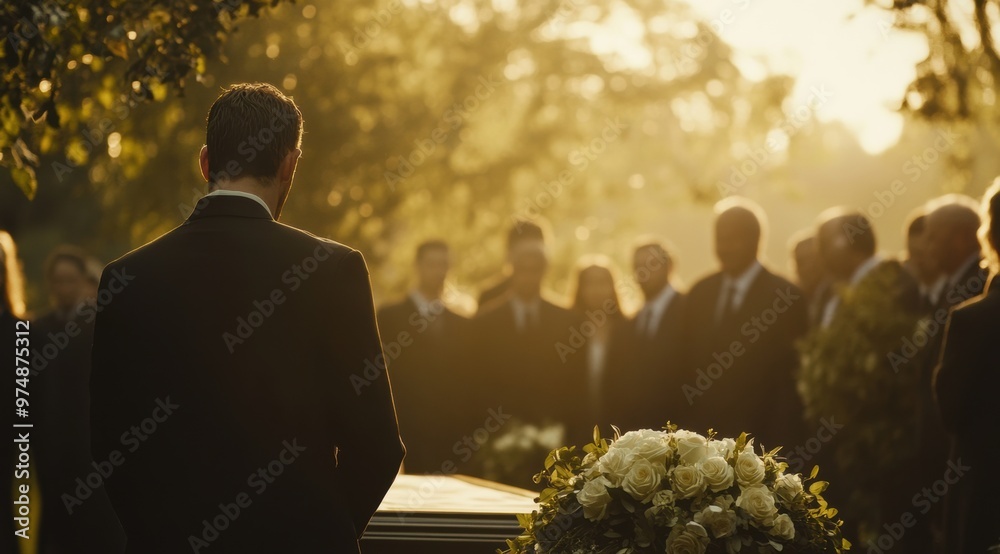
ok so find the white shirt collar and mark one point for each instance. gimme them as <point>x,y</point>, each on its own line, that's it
<point>864,269</point>
<point>654,310</point>
<point>741,283</point>
<point>425,306</point>
<point>254,197</point>
<point>661,301</point>
<point>934,290</point>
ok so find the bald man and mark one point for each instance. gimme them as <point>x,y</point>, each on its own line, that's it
<point>953,247</point>
<point>741,326</point>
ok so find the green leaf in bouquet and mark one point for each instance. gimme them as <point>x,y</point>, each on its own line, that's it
<point>818,487</point>
<point>814,472</point>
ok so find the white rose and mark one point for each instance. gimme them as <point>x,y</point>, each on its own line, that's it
<point>632,439</point>
<point>723,447</point>
<point>787,487</point>
<point>783,527</point>
<point>758,502</point>
<point>721,522</point>
<point>594,498</point>
<point>644,478</point>
<point>688,481</point>
<point>749,469</point>
<point>691,447</point>
<point>615,465</point>
<point>718,473</point>
<point>690,539</point>
<point>664,498</point>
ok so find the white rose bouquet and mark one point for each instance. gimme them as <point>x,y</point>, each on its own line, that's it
<point>676,492</point>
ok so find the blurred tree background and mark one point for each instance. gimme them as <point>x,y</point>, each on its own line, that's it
<point>422,119</point>
<point>432,119</point>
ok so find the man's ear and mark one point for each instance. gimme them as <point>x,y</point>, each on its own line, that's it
<point>287,168</point>
<point>203,163</point>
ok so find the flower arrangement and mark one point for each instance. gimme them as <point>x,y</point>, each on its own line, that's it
<point>855,372</point>
<point>675,492</point>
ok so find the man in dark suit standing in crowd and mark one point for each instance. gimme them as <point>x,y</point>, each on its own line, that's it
<point>965,385</point>
<point>953,247</point>
<point>529,363</point>
<point>741,326</point>
<point>424,339</point>
<point>240,401</point>
<point>643,388</point>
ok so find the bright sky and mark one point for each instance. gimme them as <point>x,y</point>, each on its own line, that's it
<point>850,49</point>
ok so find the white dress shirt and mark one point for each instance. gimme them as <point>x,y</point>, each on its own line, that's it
<point>739,285</point>
<point>251,196</point>
<point>860,273</point>
<point>648,321</point>
<point>525,313</point>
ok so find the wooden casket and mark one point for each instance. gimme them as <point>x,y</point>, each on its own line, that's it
<point>447,515</point>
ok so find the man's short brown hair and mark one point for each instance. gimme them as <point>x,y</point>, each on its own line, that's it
<point>251,128</point>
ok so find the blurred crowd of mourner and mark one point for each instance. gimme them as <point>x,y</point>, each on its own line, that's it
<point>881,370</point>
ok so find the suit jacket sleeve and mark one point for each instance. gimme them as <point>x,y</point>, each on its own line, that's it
<point>369,450</point>
<point>951,375</point>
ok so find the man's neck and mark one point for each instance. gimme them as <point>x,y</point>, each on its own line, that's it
<point>737,272</point>
<point>653,295</point>
<point>250,185</point>
<point>528,298</point>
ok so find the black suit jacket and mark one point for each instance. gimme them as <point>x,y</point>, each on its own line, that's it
<point>430,381</point>
<point>644,375</point>
<point>237,365</point>
<point>535,376</point>
<point>756,393</point>
<point>966,383</point>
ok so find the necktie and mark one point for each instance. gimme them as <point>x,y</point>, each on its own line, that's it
<point>726,307</point>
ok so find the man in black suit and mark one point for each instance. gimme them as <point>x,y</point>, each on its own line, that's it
<point>239,398</point>
<point>953,247</point>
<point>423,338</point>
<point>741,325</point>
<point>531,353</point>
<point>965,384</point>
<point>643,384</point>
